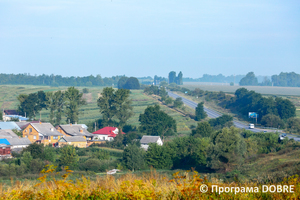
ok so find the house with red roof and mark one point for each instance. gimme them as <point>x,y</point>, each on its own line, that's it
<point>107,133</point>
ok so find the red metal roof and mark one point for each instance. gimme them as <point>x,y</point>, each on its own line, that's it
<point>107,131</point>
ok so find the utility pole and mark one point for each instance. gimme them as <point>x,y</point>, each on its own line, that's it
<point>95,126</point>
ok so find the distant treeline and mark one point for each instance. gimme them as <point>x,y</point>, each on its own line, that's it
<point>57,80</point>
<point>221,78</point>
<point>286,79</point>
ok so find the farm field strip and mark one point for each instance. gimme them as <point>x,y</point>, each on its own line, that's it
<point>290,91</point>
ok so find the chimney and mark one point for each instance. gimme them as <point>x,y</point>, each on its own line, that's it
<point>70,124</point>
<point>40,122</point>
<point>81,131</point>
<point>52,129</point>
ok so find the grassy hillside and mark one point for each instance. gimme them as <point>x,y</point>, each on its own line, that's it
<point>90,112</point>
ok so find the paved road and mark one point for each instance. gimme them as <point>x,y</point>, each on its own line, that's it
<point>214,114</point>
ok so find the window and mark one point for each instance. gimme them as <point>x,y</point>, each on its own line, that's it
<point>55,137</point>
<point>46,137</point>
<point>30,130</point>
<point>34,137</point>
<point>103,138</point>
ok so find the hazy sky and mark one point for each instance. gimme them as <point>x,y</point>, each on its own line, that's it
<point>141,38</point>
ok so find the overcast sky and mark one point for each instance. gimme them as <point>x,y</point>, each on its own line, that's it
<point>141,38</point>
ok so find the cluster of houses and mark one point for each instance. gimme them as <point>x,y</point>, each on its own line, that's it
<point>45,133</point>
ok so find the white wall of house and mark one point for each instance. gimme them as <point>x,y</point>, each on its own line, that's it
<point>19,146</point>
<point>100,137</point>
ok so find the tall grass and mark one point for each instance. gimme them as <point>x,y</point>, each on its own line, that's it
<point>183,185</point>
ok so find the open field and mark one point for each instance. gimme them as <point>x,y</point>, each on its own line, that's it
<point>90,112</point>
<point>289,91</point>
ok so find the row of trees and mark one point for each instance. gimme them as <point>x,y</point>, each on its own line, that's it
<point>173,79</point>
<point>59,103</point>
<point>283,79</point>
<point>249,101</point>
<point>58,80</point>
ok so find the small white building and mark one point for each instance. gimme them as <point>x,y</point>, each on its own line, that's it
<point>146,140</point>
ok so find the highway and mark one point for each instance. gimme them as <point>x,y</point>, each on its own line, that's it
<point>214,114</point>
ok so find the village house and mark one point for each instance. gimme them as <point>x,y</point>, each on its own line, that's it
<point>146,140</point>
<point>74,130</point>
<point>9,115</point>
<point>10,112</point>
<point>106,133</point>
<point>5,151</point>
<point>76,141</point>
<point>9,125</point>
<point>16,144</point>
<point>44,133</point>
<point>7,133</point>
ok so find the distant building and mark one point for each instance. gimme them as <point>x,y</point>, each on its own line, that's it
<point>11,117</point>
<point>23,125</point>
<point>106,133</point>
<point>16,143</point>
<point>146,140</point>
<point>44,133</point>
<point>10,112</point>
<point>9,125</point>
<point>76,141</point>
<point>5,151</point>
<point>7,133</point>
<point>74,130</point>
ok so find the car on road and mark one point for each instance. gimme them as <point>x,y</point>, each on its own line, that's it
<point>251,126</point>
<point>282,136</point>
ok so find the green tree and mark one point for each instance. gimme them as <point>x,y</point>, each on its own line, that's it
<point>100,154</point>
<point>187,152</point>
<point>168,100</point>
<point>293,125</point>
<point>203,130</point>
<point>163,93</point>
<point>68,157</point>
<point>286,109</point>
<point>132,83</point>
<point>158,157</point>
<point>85,90</point>
<point>163,84</point>
<point>221,122</point>
<point>106,104</point>
<point>115,104</point>
<point>179,78</point>
<point>122,82</point>
<point>55,102</point>
<point>32,104</point>
<point>91,165</point>
<point>123,108</point>
<point>172,77</point>
<point>156,122</point>
<point>178,102</point>
<point>74,100</point>
<point>49,153</point>
<point>226,150</point>
<point>271,120</point>
<point>27,158</point>
<point>199,112</point>
<point>36,150</point>
<point>133,157</point>
<point>249,79</point>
